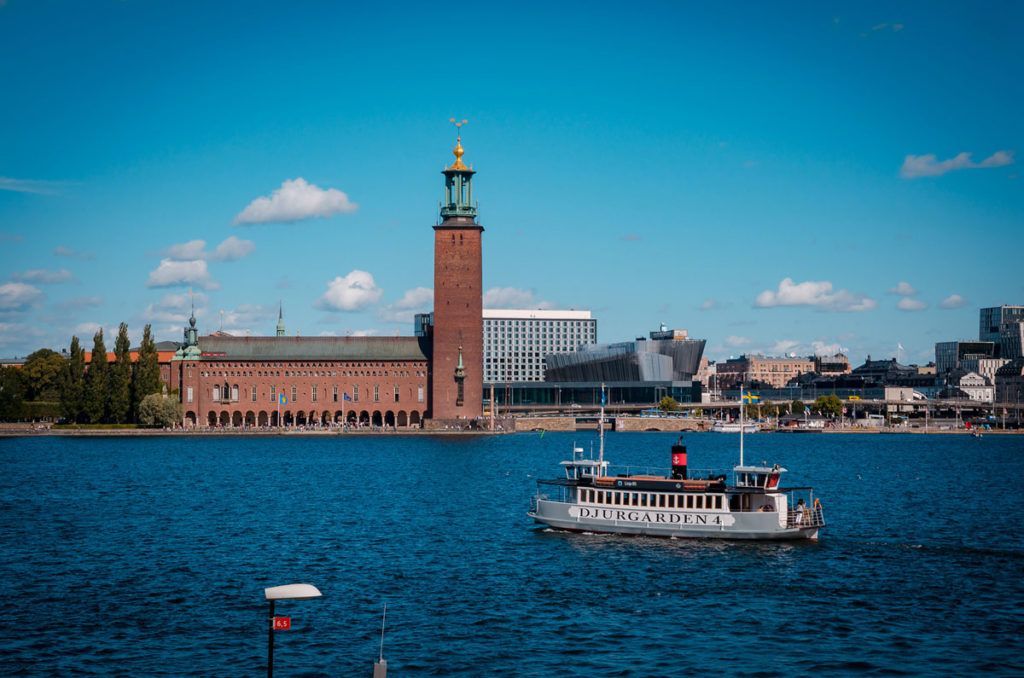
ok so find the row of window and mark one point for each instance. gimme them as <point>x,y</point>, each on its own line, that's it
<point>226,392</point>
<point>314,365</point>
<point>706,502</point>
<point>488,322</point>
<point>293,373</point>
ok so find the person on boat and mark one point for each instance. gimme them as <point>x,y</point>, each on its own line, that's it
<point>800,507</point>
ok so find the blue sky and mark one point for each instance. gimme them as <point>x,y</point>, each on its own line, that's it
<point>773,177</point>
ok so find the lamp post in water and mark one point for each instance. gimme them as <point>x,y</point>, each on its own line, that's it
<point>288,592</point>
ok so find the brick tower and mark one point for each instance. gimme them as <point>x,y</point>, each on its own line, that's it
<point>457,378</point>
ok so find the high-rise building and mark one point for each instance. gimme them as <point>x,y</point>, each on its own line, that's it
<point>949,354</point>
<point>1011,339</point>
<point>991,318</point>
<point>516,341</point>
<point>457,358</point>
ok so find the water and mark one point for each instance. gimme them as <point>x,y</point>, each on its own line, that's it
<point>148,556</point>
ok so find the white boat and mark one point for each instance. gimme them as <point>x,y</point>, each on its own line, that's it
<point>755,505</point>
<point>734,427</point>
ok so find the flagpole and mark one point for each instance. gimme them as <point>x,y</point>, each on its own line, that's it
<point>741,423</point>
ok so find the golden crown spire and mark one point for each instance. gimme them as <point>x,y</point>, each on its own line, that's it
<point>458,150</point>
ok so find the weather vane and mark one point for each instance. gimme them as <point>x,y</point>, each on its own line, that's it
<point>458,124</point>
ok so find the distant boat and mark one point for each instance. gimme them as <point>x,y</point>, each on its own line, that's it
<point>734,427</point>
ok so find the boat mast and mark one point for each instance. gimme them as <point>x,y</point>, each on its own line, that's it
<point>741,423</point>
<point>600,425</point>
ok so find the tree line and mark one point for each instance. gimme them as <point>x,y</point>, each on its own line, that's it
<point>50,385</point>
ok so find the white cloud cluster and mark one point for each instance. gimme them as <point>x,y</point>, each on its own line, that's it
<point>18,296</point>
<point>247,317</point>
<point>418,299</point>
<point>185,263</point>
<point>818,294</point>
<point>513,298</point>
<point>353,292</point>
<point>910,304</point>
<point>16,334</point>
<point>174,309</point>
<point>929,166</point>
<point>953,301</point>
<point>294,201</point>
<point>42,276</point>
<point>171,272</point>
<point>233,249</point>
<point>904,289</point>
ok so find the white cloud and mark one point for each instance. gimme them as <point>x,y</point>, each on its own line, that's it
<point>734,341</point>
<point>953,301</point>
<point>188,251</point>
<point>904,289</point>
<point>17,296</point>
<point>89,329</point>
<point>62,251</point>
<point>708,304</point>
<point>928,166</point>
<point>513,298</point>
<point>248,316</point>
<point>233,249</point>
<point>821,348</point>
<point>42,276</point>
<point>784,346</point>
<point>908,304</point>
<point>296,200</point>
<point>418,299</point>
<point>174,309</point>
<point>354,292</point>
<point>818,294</point>
<point>30,185</point>
<point>16,334</point>
<point>364,333</point>
<point>182,273</point>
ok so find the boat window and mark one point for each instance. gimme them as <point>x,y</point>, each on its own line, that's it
<point>616,497</point>
<point>661,501</point>
<point>718,501</point>
<point>635,499</point>
<point>643,499</point>
<point>671,501</point>
<point>700,501</point>
<point>689,501</point>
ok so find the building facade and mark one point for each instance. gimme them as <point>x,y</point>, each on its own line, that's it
<point>435,376</point>
<point>517,341</point>
<point>990,319</point>
<point>776,372</point>
<point>1011,340</point>
<point>949,354</point>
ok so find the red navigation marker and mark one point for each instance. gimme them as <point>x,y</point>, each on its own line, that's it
<point>282,623</point>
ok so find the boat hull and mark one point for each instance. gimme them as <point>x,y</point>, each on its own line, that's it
<point>681,524</point>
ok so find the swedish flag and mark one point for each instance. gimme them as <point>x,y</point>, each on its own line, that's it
<point>751,398</point>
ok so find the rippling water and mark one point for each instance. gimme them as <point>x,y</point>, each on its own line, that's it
<point>148,556</point>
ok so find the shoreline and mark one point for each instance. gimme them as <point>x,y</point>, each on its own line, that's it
<point>21,432</point>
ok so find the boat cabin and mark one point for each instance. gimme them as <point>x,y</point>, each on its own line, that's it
<point>579,468</point>
<point>758,477</point>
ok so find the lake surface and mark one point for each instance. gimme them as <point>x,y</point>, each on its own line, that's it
<point>148,557</point>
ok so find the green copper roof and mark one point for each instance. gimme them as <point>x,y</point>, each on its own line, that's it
<point>313,348</point>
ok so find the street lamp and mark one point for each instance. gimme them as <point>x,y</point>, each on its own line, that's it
<point>287,592</point>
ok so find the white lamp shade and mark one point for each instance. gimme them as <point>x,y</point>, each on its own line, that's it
<point>292,592</point>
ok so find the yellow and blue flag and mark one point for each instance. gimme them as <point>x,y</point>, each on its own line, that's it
<point>283,400</point>
<point>751,398</point>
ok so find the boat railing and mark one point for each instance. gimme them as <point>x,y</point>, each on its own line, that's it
<point>811,516</point>
<point>692,473</point>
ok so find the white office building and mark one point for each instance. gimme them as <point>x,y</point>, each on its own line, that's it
<point>516,341</point>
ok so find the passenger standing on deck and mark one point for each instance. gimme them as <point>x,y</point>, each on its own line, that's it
<point>800,512</point>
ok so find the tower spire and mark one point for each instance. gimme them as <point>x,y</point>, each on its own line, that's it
<point>280,317</point>
<point>458,183</point>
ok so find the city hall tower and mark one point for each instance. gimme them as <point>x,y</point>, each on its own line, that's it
<point>457,378</point>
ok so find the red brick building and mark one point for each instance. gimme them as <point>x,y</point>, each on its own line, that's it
<point>430,380</point>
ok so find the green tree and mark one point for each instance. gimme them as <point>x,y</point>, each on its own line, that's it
<point>97,382</point>
<point>12,391</point>
<point>121,377</point>
<point>829,405</point>
<point>769,410</point>
<point>797,407</point>
<point>669,404</point>
<point>146,376</point>
<point>73,391</point>
<point>159,410</point>
<point>43,374</point>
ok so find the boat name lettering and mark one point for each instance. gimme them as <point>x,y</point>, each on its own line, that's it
<point>634,516</point>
